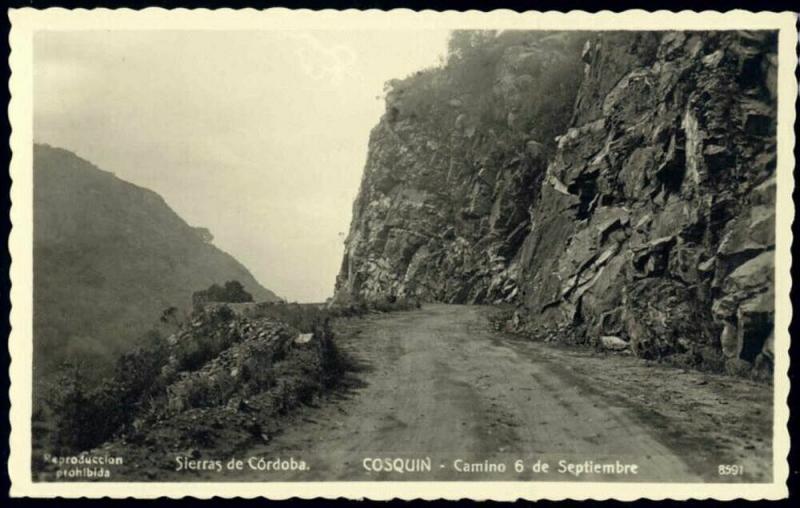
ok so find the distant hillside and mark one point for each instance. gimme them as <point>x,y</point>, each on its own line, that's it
<point>109,256</point>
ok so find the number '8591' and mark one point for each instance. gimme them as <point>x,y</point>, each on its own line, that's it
<point>730,469</point>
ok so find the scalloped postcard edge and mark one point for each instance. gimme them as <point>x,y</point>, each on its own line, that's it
<point>25,21</point>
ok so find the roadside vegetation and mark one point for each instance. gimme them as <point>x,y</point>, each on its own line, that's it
<point>215,363</point>
<point>471,83</point>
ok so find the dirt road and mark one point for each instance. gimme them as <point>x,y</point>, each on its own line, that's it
<point>439,385</point>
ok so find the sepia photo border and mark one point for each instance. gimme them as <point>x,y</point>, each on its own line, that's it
<point>25,22</point>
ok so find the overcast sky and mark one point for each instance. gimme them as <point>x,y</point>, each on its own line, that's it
<point>259,136</point>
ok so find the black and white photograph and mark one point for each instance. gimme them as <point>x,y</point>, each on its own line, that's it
<point>346,251</point>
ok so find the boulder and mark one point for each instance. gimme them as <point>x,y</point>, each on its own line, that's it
<point>613,343</point>
<point>303,338</point>
<point>752,275</point>
<point>750,233</point>
<point>729,340</point>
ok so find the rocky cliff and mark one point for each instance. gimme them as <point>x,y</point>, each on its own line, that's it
<point>454,166</point>
<point>108,258</point>
<point>616,186</point>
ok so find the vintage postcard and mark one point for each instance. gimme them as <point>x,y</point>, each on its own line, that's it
<point>398,254</point>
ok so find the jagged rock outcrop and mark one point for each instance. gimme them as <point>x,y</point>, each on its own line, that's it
<point>656,221</point>
<point>453,167</point>
<point>653,222</point>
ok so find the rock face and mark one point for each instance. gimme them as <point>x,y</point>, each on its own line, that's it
<point>109,257</point>
<point>454,166</point>
<point>651,218</point>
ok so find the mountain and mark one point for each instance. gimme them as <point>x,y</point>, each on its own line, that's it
<point>109,257</point>
<point>612,185</point>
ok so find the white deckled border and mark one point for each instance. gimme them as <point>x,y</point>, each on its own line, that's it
<point>26,21</point>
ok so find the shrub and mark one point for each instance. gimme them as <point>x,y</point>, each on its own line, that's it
<point>470,74</point>
<point>208,340</point>
<point>331,361</point>
<point>202,392</point>
<point>138,370</point>
<point>232,292</point>
<point>89,413</point>
<point>70,401</point>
